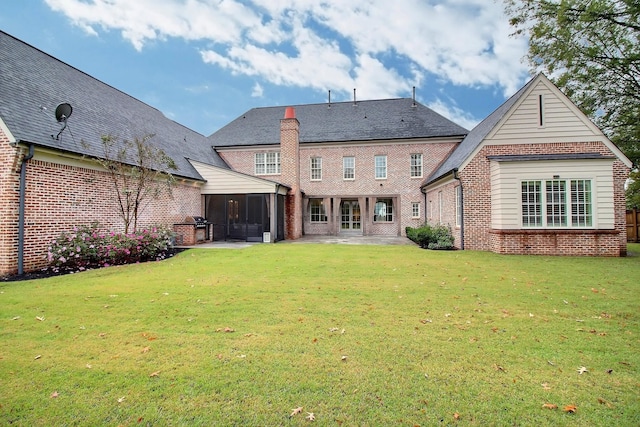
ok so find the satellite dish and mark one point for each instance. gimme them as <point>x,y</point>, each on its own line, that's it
<point>63,111</point>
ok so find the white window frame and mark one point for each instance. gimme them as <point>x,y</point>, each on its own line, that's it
<point>316,168</point>
<point>380,166</point>
<point>348,168</point>
<point>557,203</point>
<point>458,205</point>
<point>383,210</point>
<point>267,163</point>
<point>415,210</point>
<point>416,165</point>
<point>317,211</point>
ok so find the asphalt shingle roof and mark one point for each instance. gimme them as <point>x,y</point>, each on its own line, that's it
<point>475,137</point>
<point>385,119</point>
<point>33,83</point>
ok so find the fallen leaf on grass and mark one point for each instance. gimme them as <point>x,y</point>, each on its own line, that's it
<point>570,409</point>
<point>16,318</point>
<point>38,357</point>
<point>88,366</point>
<point>40,318</point>
<point>54,395</point>
<point>154,374</point>
<point>146,350</point>
<point>343,358</point>
<point>604,402</point>
<point>582,370</point>
<point>310,417</point>
<point>545,386</point>
<point>296,411</point>
<point>102,334</point>
<point>550,406</point>
<point>120,400</point>
<point>456,416</point>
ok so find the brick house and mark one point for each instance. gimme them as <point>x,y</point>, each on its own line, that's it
<point>535,177</point>
<point>366,167</point>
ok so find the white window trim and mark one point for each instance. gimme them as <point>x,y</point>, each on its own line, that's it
<point>415,215</point>
<point>311,169</point>
<point>375,166</point>
<point>567,204</point>
<point>344,169</point>
<point>278,165</point>
<point>458,194</point>
<point>411,165</point>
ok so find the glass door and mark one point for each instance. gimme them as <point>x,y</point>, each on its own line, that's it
<point>350,219</point>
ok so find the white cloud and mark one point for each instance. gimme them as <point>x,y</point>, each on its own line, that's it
<point>257,91</point>
<point>454,113</point>
<point>380,47</point>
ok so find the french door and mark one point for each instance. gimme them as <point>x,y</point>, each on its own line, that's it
<point>350,219</point>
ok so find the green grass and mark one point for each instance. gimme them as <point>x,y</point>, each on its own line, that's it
<point>357,335</point>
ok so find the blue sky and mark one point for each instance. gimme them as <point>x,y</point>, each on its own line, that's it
<point>205,62</point>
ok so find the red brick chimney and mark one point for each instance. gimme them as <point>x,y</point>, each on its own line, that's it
<point>290,172</point>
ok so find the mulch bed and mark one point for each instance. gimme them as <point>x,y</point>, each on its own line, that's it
<point>44,273</point>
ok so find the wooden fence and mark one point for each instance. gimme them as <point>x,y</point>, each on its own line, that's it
<point>633,225</point>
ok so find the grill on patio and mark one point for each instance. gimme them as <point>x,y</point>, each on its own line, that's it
<point>194,229</point>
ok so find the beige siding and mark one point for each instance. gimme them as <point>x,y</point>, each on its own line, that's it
<point>561,120</point>
<point>225,181</point>
<point>506,178</point>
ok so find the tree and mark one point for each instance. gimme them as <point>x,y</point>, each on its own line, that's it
<point>139,172</point>
<point>591,50</point>
<point>633,190</point>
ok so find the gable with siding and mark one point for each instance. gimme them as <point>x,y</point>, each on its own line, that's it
<point>543,115</point>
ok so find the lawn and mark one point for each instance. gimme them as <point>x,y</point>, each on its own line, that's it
<point>355,335</point>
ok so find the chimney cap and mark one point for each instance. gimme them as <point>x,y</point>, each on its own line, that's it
<point>289,113</point>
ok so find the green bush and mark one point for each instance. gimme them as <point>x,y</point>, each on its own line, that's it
<point>431,236</point>
<point>87,247</point>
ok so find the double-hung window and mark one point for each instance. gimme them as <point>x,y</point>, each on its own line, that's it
<point>381,167</point>
<point>317,210</point>
<point>557,203</point>
<point>316,168</point>
<point>383,210</point>
<point>416,166</point>
<point>267,163</point>
<point>415,210</point>
<point>348,167</point>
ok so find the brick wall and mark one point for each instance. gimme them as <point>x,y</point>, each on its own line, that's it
<point>441,209</point>
<point>60,197</point>
<point>477,209</point>
<point>398,183</point>
<point>10,158</point>
<point>290,175</point>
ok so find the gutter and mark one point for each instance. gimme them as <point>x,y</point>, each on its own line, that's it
<point>455,176</point>
<point>21,209</point>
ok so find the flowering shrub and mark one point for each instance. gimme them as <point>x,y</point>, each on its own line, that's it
<point>87,247</point>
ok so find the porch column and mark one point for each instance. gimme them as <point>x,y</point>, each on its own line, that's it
<point>362,201</point>
<point>336,215</point>
<point>273,216</point>
<point>328,210</point>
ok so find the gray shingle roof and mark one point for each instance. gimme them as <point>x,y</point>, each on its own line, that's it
<point>33,83</point>
<point>384,119</point>
<point>475,137</point>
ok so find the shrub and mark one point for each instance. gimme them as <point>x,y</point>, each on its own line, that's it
<point>87,247</point>
<point>431,236</point>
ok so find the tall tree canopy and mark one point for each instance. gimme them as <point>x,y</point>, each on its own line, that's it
<point>591,50</point>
